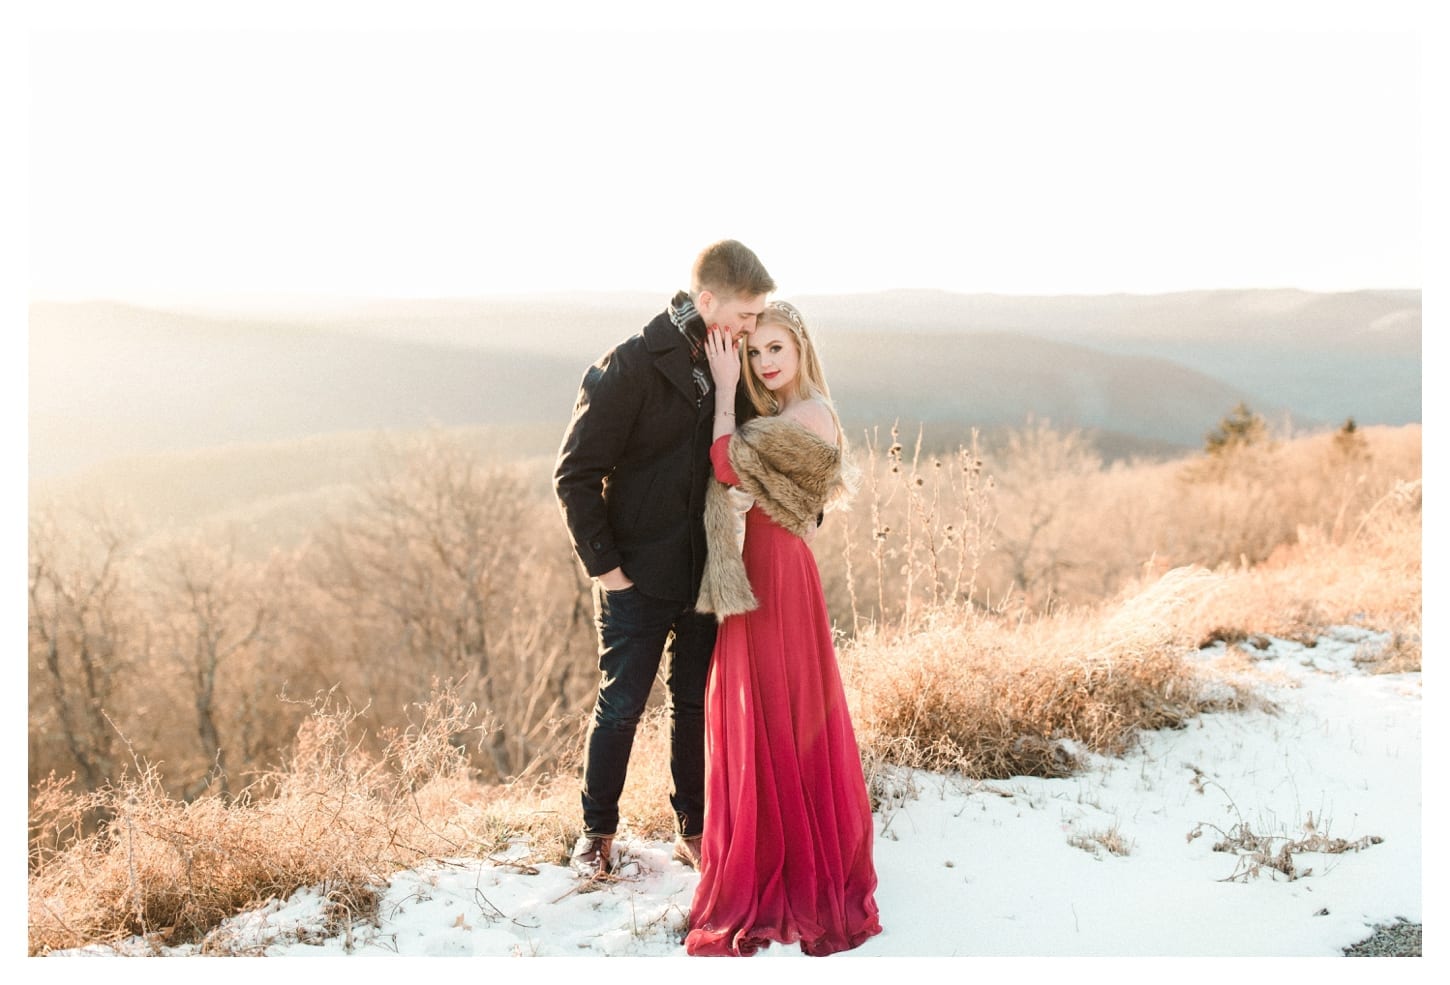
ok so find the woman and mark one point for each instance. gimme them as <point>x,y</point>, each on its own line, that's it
<point>786,854</point>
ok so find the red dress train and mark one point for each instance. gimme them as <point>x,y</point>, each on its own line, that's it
<point>786,854</point>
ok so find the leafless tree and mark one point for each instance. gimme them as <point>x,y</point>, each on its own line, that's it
<point>1042,474</point>
<point>456,571</point>
<point>210,610</point>
<point>81,639</point>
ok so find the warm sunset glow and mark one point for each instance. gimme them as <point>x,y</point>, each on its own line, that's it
<point>465,163</point>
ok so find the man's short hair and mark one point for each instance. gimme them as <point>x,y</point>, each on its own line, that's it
<point>728,269</point>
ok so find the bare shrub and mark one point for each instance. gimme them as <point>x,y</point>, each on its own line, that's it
<point>449,568</point>
<point>1045,475</point>
<point>1257,851</point>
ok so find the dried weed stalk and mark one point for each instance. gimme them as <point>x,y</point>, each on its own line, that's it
<point>1257,852</point>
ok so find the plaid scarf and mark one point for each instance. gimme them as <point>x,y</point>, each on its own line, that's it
<point>684,317</point>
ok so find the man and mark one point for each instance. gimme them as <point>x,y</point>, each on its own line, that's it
<point>631,480</point>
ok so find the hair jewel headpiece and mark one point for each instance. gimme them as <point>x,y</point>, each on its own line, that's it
<point>791,314</point>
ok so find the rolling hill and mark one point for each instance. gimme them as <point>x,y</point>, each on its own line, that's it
<point>120,390</point>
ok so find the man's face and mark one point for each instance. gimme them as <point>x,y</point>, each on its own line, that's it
<point>735,315</point>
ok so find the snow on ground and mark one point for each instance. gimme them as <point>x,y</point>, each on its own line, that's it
<point>992,868</point>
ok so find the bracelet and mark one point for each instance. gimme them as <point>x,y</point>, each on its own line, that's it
<point>723,413</point>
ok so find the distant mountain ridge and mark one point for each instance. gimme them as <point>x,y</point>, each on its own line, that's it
<point>996,379</point>
<point>1154,372</point>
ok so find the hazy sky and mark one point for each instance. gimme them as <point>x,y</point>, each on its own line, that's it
<point>462,162</point>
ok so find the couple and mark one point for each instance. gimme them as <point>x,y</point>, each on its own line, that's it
<point>717,405</point>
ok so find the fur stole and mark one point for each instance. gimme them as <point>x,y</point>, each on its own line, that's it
<point>789,472</point>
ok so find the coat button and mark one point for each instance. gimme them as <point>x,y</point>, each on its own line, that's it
<point>596,545</point>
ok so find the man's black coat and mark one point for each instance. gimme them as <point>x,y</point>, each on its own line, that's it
<point>635,462</point>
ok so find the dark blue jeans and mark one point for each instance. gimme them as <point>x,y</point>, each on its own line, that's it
<point>635,632</point>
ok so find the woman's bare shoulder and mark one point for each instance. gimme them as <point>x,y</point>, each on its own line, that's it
<point>814,415</point>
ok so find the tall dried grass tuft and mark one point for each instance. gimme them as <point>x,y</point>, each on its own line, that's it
<point>927,523</point>
<point>985,694</point>
<point>332,817</point>
<point>1372,577</point>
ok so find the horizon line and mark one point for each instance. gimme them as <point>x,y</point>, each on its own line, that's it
<point>319,298</point>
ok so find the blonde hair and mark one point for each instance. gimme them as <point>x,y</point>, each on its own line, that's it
<point>810,379</point>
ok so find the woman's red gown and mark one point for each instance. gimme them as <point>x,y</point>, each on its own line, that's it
<point>786,854</point>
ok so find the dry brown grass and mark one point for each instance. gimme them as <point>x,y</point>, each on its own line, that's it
<point>644,807</point>
<point>992,695</point>
<point>1373,578</point>
<point>946,670</point>
<point>1259,852</point>
<point>1109,839</point>
<point>1041,522</point>
<point>333,818</point>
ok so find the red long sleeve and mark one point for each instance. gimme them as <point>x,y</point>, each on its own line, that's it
<point>720,458</point>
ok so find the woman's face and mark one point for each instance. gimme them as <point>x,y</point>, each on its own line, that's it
<point>774,356</point>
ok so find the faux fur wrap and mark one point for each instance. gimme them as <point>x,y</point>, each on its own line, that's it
<point>789,472</point>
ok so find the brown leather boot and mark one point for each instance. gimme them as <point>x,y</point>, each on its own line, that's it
<point>687,850</point>
<point>591,856</point>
